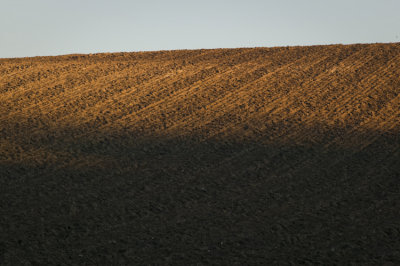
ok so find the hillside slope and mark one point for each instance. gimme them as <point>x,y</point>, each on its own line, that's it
<point>258,155</point>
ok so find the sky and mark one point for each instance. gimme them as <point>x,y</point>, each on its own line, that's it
<point>55,27</point>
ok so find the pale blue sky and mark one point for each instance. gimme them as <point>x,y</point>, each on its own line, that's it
<point>53,27</point>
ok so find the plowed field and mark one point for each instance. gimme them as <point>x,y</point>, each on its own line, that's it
<point>225,156</point>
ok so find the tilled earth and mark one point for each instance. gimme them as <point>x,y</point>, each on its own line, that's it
<point>285,155</point>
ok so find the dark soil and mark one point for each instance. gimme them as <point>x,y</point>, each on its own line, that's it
<point>235,156</point>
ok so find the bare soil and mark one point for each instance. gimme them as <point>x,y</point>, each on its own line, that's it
<point>285,155</point>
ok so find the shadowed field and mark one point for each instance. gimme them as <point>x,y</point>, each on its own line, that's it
<point>225,156</point>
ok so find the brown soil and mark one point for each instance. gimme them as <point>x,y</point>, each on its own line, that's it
<point>225,156</point>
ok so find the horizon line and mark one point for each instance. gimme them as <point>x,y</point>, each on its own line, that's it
<point>193,49</point>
